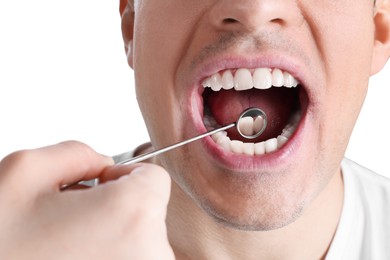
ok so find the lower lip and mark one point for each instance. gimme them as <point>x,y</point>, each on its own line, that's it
<point>240,162</point>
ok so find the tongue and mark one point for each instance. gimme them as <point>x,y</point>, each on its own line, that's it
<point>278,104</point>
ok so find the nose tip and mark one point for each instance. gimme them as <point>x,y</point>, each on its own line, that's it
<point>240,15</point>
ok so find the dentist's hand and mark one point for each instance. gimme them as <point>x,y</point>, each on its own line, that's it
<point>123,218</point>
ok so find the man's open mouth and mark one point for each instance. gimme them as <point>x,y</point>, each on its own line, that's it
<point>227,93</point>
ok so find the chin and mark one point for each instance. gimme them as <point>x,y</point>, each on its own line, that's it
<point>250,201</point>
<point>255,211</point>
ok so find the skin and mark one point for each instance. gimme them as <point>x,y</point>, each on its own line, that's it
<point>312,32</point>
<point>213,211</point>
<point>108,221</point>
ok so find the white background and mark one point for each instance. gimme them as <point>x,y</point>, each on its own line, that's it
<point>64,75</point>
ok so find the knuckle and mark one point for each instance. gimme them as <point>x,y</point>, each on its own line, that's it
<point>80,148</point>
<point>74,143</point>
<point>13,171</point>
<point>17,161</point>
<point>79,151</point>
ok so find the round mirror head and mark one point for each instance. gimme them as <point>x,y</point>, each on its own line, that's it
<point>251,123</point>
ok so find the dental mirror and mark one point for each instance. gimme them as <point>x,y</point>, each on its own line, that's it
<point>250,124</point>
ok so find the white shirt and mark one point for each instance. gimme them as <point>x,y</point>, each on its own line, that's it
<point>364,227</point>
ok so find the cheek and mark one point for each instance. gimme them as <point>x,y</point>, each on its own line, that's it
<point>153,71</point>
<point>159,45</point>
<point>162,39</point>
<point>348,70</point>
<point>342,40</point>
<point>345,44</point>
<point>343,32</point>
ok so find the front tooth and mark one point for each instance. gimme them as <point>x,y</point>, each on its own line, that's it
<point>262,78</point>
<point>259,148</point>
<point>236,146</point>
<point>227,80</point>
<point>277,78</point>
<point>248,148</point>
<point>271,145</point>
<point>243,80</point>
<point>246,125</point>
<point>251,149</point>
<point>216,82</point>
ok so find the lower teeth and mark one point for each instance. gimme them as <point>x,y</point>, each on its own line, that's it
<point>248,148</point>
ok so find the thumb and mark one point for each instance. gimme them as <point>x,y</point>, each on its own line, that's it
<point>140,199</point>
<point>141,181</point>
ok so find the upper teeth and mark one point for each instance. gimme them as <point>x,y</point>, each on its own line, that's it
<point>243,79</point>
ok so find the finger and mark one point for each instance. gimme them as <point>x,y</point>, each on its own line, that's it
<point>131,209</point>
<point>116,171</point>
<point>53,166</point>
<point>110,173</point>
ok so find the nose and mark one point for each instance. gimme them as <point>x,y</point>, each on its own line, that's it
<point>253,15</point>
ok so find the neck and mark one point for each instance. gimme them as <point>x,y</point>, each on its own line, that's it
<point>195,235</point>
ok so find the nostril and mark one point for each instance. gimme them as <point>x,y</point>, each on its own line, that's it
<point>229,20</point>
<point>278,21</point>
